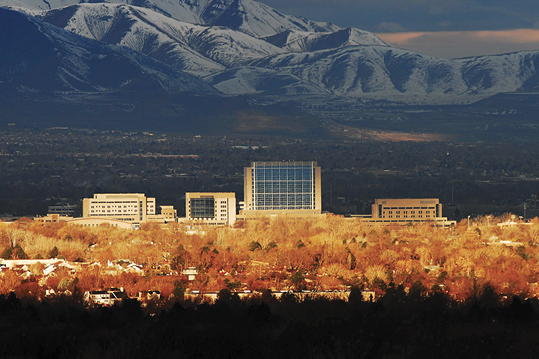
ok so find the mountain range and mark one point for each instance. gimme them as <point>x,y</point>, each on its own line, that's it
<point>231,48</point>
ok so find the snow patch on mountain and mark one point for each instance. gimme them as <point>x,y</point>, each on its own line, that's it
<point>248,16</point>
<point>200,50</point>
<point>361,70</point>
<point>245,47</point>
<point>500,73</point>
<point>252,80</point>
<point>53,59</point>
<point>260,20</point>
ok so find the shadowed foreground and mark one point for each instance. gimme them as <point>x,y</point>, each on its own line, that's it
<point>399,324</point>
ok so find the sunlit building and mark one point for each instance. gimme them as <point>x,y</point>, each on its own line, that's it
<point>407,210</point>
<point>169,214</point>
<point>292,188</point>
<point>128,207</point>
<point>214,208</point>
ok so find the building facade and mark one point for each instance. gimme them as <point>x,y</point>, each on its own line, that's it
<point>215,208</point>
<point>407,210</point>
<point>64,209</point>
<point>98,221</point>
<point>282,188</point>
<point>128,207</point>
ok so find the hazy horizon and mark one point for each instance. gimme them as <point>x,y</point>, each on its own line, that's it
<point>447,29</point>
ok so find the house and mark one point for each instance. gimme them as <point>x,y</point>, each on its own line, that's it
<point>190,272</point>
<point>149,295</point>
<point>105,298</point>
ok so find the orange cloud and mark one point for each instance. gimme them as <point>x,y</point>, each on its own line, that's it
<point>519,36</point>
<point>454,44</point>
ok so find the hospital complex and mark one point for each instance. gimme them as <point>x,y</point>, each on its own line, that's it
<point>270,188</point>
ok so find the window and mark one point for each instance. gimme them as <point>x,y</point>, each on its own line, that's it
<point>202,208</point>
<point>287,185</point>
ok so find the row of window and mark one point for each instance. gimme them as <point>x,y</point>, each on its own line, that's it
<point>283,173</point>
<point>406,212</point>
<point>97,225</point>
<point>125,206</point>
<point>107,202</point>
<point>202,207</point>
<point>408,207</point>
<point>114,211</point>
<point>282,186</point>
<point>283,201</point>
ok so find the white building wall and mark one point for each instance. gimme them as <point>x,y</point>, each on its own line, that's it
<point>150,206</point>
<point>224,207</point>
<point>130,207</point>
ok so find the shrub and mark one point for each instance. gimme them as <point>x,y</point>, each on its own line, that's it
<point>53,253</point>
<point>7,253</point>
<point>19,253</point>
<point>254,246</point>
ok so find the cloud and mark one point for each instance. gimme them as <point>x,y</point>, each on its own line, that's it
<point>455,44</point>
<point>417,15</point>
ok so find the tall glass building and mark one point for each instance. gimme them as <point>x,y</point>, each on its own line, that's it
<point>283,186</point>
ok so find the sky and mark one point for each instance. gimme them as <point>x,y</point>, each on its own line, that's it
<point>442,28</point>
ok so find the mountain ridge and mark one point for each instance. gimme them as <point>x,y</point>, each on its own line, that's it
<point>234,48</point>
<point>37,56</point>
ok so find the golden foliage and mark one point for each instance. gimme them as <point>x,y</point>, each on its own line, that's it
<point>265,252</point>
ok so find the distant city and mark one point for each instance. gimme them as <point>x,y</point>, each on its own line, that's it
<point>289,188</point>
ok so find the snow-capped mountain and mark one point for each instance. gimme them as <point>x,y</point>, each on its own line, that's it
<point>248,16</point>
<point>199,50</point>
<point>254,80</point>
<point>303,41</point>
<point>36,57</point>
<point>517,71</point>
<point>364,70</point>
<point>245,47</point>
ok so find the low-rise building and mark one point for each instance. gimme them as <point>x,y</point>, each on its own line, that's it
<point>168,214</point>
<point>127,207</point>
<point>213,208</point>
<point>64,209</point>
<point>106,297</point>
<point>190,272</point>
<point>98,221</point>
<point>52,218</point>
<point>407,210</point>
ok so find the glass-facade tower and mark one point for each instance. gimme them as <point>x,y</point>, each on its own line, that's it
<point>282,186</point>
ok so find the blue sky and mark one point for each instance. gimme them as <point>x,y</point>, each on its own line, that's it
<point>445,28</point>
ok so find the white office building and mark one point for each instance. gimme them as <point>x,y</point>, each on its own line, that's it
<point>128,207</point>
